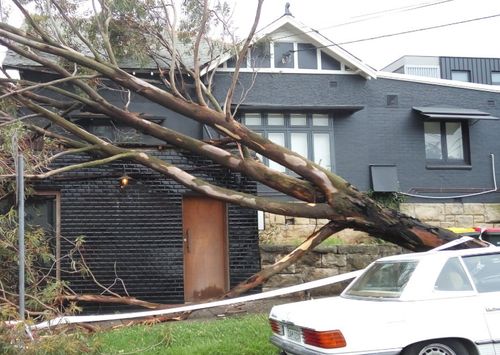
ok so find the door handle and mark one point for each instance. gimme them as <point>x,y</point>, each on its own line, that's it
<point>186,240</point>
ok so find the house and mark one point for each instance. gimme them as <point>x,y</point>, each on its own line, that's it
<point>472,70</point>
<point>431,139</point>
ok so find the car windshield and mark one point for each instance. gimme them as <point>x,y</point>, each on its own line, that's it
<point>383,280</point>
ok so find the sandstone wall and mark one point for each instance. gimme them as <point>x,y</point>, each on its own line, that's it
<point>448,215</point>
<point>322,262</point>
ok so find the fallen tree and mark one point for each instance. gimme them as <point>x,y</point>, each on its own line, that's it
<point>82,55</point>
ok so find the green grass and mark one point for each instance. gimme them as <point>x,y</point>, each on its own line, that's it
<point>247,334</point>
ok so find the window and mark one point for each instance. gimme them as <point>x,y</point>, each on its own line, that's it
<point>308,134</point>
<point>460,75</point>
<point>495,77</point>
<point>383,280</point>
<point>484,270</point>
<point>453,277</point>
<point>446,142</point>
<point>307,56</point>
<point>283,55</point>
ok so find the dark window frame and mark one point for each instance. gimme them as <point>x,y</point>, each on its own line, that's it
<point>445,161</point>
<point>287,129</point>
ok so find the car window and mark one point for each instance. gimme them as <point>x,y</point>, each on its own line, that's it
<point>485,271</point>
<point>453,277</point>
<point>383,279</point>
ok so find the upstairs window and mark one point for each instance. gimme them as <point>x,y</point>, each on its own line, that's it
<point>460,75</point>
<point>446,142</point>
<point>306,133</point>
<point>287,55</point>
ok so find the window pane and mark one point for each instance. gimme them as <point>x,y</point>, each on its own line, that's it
<point>454,142</point>
<point>275,119</point>
<point>307,56</point>
<point>253,119</point>
<point>329,63</point>
<point>321,144</point>
<point>320,119</point>
<point>495,78</point>
<point>298,119</point>
<point>278,138</point>
<point>260,55</point>
<point>460,75</point>
<point>484,271</point>
<point>453,277</point>
<point>283,55</point>
<point>298,143</point>
<point>433,149</point>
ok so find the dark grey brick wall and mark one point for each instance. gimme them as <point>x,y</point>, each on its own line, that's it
<point>138,230</point>
<point>379,134</point>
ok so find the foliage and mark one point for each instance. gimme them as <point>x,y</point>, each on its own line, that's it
<point>388,199</point>
<point>42,287</point>
<point>14,341</point>
<point>237,335</point>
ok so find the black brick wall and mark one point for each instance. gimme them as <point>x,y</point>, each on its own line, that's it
<point>138,230</point>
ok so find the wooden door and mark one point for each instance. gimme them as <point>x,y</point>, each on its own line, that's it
<point>205,248</point>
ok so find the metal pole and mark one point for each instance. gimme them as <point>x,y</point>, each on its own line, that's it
<point>20,214</point>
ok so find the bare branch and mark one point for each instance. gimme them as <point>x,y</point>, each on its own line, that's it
<point>241,57</point>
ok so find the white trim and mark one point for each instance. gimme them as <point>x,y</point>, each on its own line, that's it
<point>334,51</point>
<point>295,56</point>
<point>435,81</point>
<point>193,307</point>
<point>289,71</point>
<point>271,55</point>
<point>318,59</point>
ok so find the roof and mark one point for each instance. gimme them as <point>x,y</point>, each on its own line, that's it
<point>442,254</point>
<point>14,60</point>
<point>309,35</point>
<point>437,81</point>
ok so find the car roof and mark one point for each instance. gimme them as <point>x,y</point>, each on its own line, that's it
<point>438,254</point>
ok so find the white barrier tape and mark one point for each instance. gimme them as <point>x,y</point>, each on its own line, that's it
<point>160,312</point>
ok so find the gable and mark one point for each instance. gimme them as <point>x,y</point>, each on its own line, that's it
<point>287,46</point>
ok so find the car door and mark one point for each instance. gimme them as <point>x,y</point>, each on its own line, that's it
<point>485,272</point>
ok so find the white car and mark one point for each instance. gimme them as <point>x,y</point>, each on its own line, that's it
<point>438,302</point>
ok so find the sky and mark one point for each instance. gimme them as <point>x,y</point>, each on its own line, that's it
<point>349,20</point>
<point>344,21</point>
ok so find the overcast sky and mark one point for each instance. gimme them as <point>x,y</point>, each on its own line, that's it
<point>379,17</point>
<point>350,20</point>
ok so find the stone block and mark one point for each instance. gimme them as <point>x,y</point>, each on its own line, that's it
<point>478,220</point>
<point>322,222</point>
<point>358,262</point>
<point>333,260</point>
<point>302,221</point>
<point>358,249</point>
<point>407,208</point>
<point>311,259</point>
<point>283,280</point>
<point>447,224</point>
<point>429,212</point>
<point>492,213</point>
<point>453,208</point>
<point>278,219</point>
<point>316,274</point>
<point>449,218</point>
<point>465,221</point>
<point>297,232</point>
<point>473,208</point>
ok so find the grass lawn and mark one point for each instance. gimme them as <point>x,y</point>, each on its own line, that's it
<point>248,334</point>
